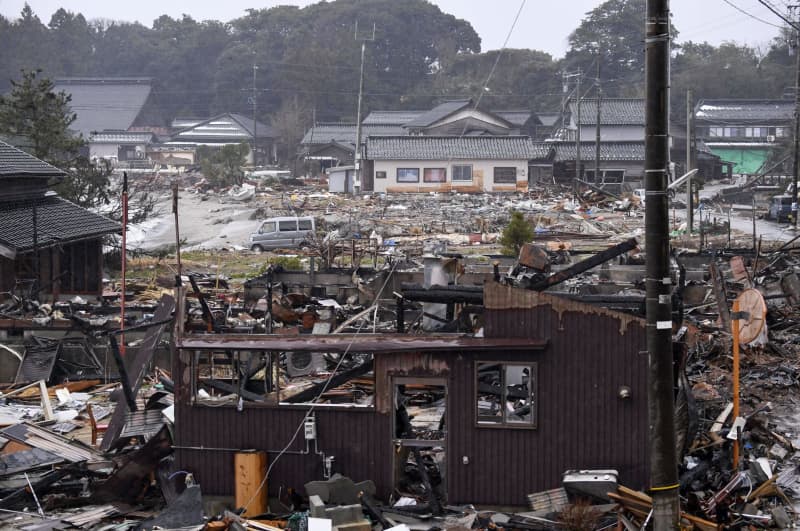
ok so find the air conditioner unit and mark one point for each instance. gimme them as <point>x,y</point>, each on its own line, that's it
<point>770,138</point>
<point>304,363</point>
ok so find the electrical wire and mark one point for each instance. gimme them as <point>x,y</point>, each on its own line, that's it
<point>314,402</point>
<point>779,14</point>
<point>737,8</point>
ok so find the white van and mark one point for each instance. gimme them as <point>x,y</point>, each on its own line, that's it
<point>275,233</point>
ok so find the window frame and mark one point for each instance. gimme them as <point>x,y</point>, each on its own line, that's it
<point>281,224</point>
<point>503,181</point>
<point>426,176</point>
<point>453,173</point>
<point>405,179</point>
<point>533,396</point>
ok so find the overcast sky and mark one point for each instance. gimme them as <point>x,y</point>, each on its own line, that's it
<point>543,25</point>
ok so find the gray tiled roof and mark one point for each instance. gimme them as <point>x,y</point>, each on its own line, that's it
<point>549,118</point>
<point>619,151</point>
<point>453,147</point>
<point>346,133</point>
<point>516,117</point>
<point>104,103</point>
<point>739,111</point>
<point>613,111</point>
<point>391,117</point>
<point>227,127</point>
<point>121,137</point>
<point>437,113</point>
<point>15,162</point>
<point>57,221</point>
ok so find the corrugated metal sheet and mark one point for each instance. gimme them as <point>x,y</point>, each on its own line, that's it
<point>70,450</point>
<point>581,424</point>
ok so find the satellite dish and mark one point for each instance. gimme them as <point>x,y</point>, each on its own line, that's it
<point>752,302</point>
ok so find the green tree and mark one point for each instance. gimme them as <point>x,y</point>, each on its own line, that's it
<point>612,33</point>
<point>517,233</point>
<point>223,166</point>
<point>37,119</point>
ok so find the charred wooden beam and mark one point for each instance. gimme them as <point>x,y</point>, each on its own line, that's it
<point>333,383</point>
<point>375,343</point>
<point>234,390</point>
<point>585,265</point>
<point>443,294</point>
<point>130,396</point>
<point>433,500</point>
<point>373,510</point>
<point>207,316</point>
<point>718,286</point>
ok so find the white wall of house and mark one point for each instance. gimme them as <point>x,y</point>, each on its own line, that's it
<point>609,133</point>
<point>103,151</point>
<point>482,173</point>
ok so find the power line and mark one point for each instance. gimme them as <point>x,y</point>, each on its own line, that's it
<point>737,8</point>
<point>779,14</point>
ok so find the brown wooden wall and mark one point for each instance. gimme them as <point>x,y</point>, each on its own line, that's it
<point>582,423</point>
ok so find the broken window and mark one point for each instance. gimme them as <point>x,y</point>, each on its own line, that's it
<point>505,175</point>
<point>286,378</point>
<point>506,394</point>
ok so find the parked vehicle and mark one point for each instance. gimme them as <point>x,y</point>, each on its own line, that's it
<point>281,232</point>
<point>780,208</point>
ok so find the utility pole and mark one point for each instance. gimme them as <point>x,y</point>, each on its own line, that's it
<point>578,129</point>
<point>357,154</point>
<point>689,161</point>
<point>796,121</point>
<point>663,455</point>
<point>597,179</point>
<point>255,123</point>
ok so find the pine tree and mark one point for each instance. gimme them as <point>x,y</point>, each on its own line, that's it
<point>517,233</point>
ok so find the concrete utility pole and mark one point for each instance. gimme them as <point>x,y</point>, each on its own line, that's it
<point>255,123</point>
<point>578,128</point>
<point>689,161</point>
<point>796,121</point>
<point>663,455</point>
<point>357,154</point>
<point>597,179</point>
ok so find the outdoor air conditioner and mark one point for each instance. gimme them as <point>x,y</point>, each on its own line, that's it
<point>770,138</point>
<point>303,363</point>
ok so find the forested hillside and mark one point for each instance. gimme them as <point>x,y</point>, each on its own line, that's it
<point>308,60</point>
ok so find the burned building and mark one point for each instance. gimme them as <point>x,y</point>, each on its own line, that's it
<point>549,385</point>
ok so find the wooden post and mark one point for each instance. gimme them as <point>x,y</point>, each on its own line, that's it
<point>735,331</point>
<point>250,468</point>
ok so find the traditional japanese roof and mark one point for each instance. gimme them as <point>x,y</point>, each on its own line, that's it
<point>57,221</point>
<point>453,147</point>
<point>122,137</point>
<point>616,151</point>
<point>740,111</point>
<point>104,103</point>
<point>391,117</point>
<point>549,118</point>
<point>15,163</point>
<point>516,117</point>
<point>223,128</point>
<point>441,111</point>
<point>613,111</point>
<point>345,133</point>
